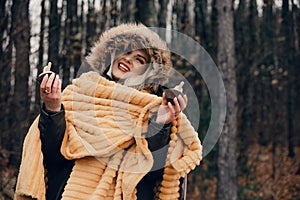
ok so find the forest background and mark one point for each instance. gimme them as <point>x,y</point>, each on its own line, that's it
<point>257,156</point>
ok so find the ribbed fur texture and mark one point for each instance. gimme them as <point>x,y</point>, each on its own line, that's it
<point>106,125</point>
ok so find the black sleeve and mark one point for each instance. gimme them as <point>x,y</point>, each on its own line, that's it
<point>158,137</point>
<point>52,127</point>
<point>158,134</point>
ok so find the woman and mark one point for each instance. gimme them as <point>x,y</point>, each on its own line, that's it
<point>138,59</point>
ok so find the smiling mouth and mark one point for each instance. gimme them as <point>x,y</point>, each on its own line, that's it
<point>123,67</point>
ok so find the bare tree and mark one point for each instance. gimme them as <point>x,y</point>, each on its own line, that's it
<point>71,43</point>
<point>296,30</point>
<point>213,33</point>
<point>20,100</point>
<point>162,14</point>
<point>286,60</point>
<point>54,36</point>
<point>227,159</point>
<point>91,25</point>
<point>3,22</point>
<point>114,12</point>
<point>5,72</point>
<point>201,21</point>
<point>127,10</point>
<point>40,54</point>
<point>146,12</point>
<point>103,17</point>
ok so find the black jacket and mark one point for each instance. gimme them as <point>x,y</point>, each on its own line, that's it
<point>52,127</point>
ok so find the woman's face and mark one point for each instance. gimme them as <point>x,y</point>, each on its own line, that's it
<point>130,64</point>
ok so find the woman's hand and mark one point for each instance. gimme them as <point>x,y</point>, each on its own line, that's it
<point>50,91</point>
<point>167,112</point>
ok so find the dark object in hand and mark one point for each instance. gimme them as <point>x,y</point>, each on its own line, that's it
<point>39,79</point>
<point>171,94</point>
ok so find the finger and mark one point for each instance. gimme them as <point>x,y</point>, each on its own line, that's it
<point>55,87</point>
<point>59,85</point>
<point>164,99</point>
<point>43,84</point>
<point>50,82</point>
<point>171,108</point>
<point>185,99</point>
<point>176,106</point>
<point>182,102</point>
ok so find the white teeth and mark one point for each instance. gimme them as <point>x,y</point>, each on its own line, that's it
<point>124,67</point>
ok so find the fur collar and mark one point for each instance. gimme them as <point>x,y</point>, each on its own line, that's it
<point>128,37</point>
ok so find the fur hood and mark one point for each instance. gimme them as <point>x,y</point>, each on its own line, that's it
<point>128,37</point>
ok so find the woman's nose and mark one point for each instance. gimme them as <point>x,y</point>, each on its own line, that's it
<point>128,58</point>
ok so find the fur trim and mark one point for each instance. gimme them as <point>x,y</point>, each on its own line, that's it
<point>128,37</point>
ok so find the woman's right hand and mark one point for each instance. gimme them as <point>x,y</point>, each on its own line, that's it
<point>50,91</point>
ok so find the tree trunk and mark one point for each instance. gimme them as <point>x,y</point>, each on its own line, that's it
<point>5,74</point>
<point>3,23</point>
<point>127,10</point>
<point>263,88</point>
<point>295,77</point>
<point>252,60</point>
<point>114,13</point>
<point>227,159</point>
<point>77,41</point>
<point>54,36</point>
<point>91,26</point>
<point>104,14</point>
<point>180,8</point>
<point>162,14</point>
<point>41,55</point>
<point>72,43</point>
<point>213,31</point>
<point>242,66</point>
<point>20,106</point>
<point>201,22</point>
<point>146,12</point>
<point>288,58</point>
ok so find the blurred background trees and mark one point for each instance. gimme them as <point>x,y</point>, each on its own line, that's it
<point>262,122</point>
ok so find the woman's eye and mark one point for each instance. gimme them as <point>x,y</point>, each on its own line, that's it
<point>141,61</point>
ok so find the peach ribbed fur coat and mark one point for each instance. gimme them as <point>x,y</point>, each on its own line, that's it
<point>106,126</point>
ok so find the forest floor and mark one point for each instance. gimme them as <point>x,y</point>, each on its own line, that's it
<point>264,173</point>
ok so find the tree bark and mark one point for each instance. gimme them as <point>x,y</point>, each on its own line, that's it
<point>213,31</point>
<point>54,36</point>
<point>72,43</point>
<point>296,75</point>
<point>20,106</point>
<point>227,159</point>
<point>3,23</point>
<point>180,8</point>
<point>201,21</point>
<point>146,12</point>
<point>91,26</point>
<point>263,88</point>
<point>104,14</point>
<point>127,11</point>
<point>40,55</point>
<point>162,14</point>
<point>114,13</point>
<point>5,74</point>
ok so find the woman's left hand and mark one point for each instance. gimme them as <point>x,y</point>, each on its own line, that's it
<point>167,112</point>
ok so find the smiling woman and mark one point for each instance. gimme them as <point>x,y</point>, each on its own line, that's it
<point>130,64</point>
<point>111,133</point>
